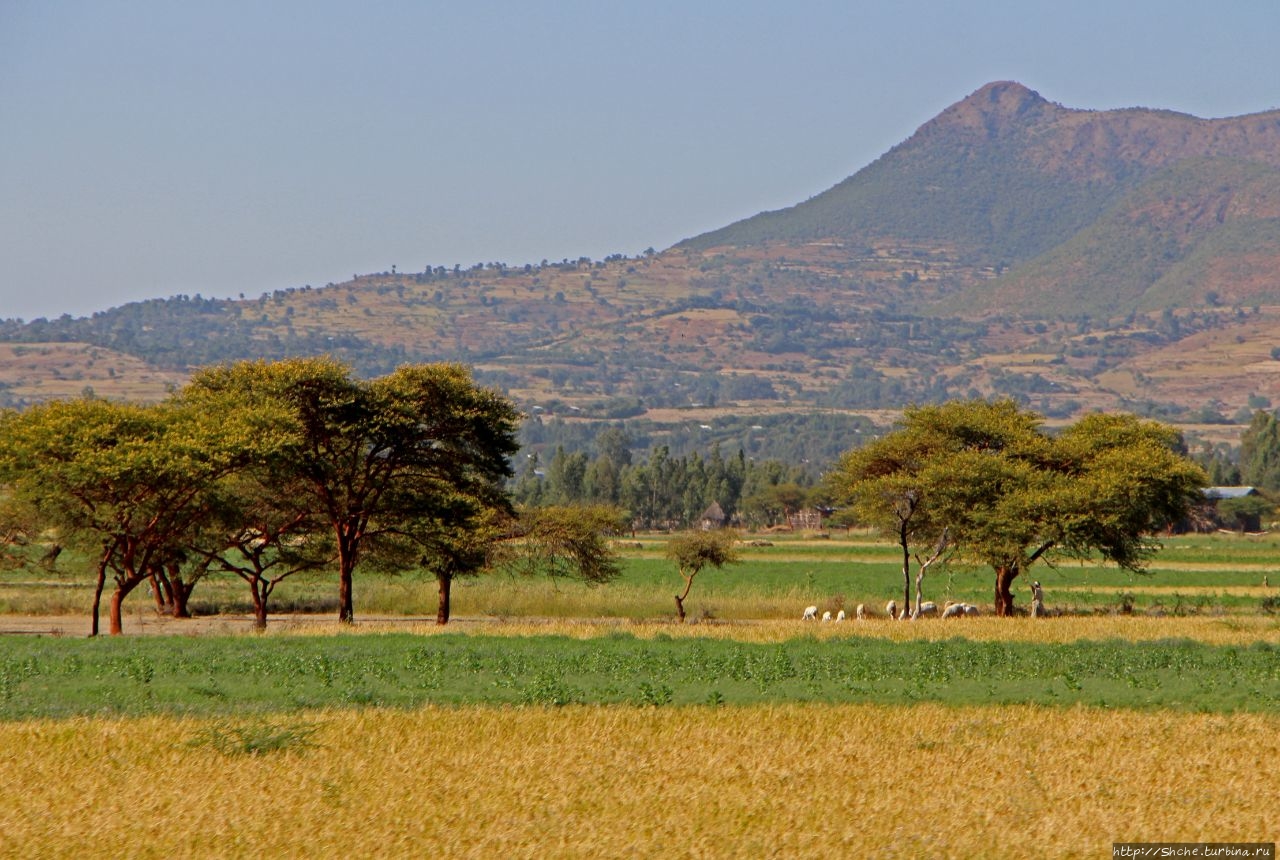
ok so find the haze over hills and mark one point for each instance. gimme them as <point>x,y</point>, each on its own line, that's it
<point>1074,259</point>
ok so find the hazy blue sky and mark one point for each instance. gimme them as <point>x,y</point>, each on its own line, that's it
<point>154,148</point>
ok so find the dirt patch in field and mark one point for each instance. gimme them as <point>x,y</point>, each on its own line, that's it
<point>150,624</point>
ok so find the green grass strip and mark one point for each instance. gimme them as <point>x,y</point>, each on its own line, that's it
<point>239,675</point>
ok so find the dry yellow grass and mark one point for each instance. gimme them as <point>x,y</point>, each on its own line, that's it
<point>1214,630</point>
<point>769,781</point>
<point>1225,630</point>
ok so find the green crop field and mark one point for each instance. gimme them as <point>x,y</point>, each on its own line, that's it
<point>216,675</point>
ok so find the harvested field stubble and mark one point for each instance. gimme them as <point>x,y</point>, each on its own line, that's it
<point>1212,630</point>
<point>794,781</point>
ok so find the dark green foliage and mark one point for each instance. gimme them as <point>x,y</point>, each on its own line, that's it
<point>1260,452</point>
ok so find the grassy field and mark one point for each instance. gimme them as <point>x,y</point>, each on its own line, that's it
<point>1199,574</point>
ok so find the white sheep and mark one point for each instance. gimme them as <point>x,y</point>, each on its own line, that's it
<point>926,608</point>
<point>891,609</point>
<point>957,610</point>
<point>810,613</point>
<point>826,616</point>
<point>840,616</point>
<point>861,612</point>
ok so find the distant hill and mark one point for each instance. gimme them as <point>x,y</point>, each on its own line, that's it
<point>1073,259</point>
<point>1005,178</point>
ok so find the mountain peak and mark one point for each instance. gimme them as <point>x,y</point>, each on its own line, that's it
<point>994,107</point>
<point>1006,96</point>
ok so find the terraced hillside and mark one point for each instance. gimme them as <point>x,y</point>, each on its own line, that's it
<point>1073,259</point>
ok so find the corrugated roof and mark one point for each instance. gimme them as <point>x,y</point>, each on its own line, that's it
<point>1228,492</point>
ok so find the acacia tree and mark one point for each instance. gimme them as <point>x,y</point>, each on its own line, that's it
<point>883,484</point>
<point>479,535</point>
<point>258,533</point>
<point>565,541</point>
<point>374,458</point>
<point>693,551</point>
<point>1009,495</point>
<point>126,483</point>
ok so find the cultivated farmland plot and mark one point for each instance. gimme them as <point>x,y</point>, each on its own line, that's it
<point>558,720</point>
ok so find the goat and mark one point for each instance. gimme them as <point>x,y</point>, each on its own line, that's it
<point>826,616</point>
<point>840,615</point>
<point>810,613</point>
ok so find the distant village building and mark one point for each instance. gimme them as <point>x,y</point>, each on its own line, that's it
<point>1211,513</point>
<point>806,519</point>
<point>713,517</point>
<point>1242,517</point>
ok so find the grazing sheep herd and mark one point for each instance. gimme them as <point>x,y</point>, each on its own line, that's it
<point>951,609</point>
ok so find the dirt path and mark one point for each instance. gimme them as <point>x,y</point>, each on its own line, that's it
<point>150,624</point>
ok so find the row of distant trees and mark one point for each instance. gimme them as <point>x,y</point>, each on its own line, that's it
<point>665,492</point>
<point>269,469</point>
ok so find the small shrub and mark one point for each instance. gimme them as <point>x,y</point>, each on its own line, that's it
<point>548,689</point>
<point>255,740</point>
<point>654,696</point>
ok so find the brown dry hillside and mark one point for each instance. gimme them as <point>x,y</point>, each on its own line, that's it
<point>1073,259</point>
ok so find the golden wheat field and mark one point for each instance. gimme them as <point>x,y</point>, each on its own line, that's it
<point>1212,630</point>
<point>763,781</point>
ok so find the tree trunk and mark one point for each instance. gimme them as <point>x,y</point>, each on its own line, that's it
<point>1005,574</point>
<point>123,587</point>
<point>346,566</point>
<point>179,592</point>
<point>906,569</point>
<point>259,610</point>
<point>915,613</point>
<point>346,608</point>
<point>162,591</point>
<point>181,596</point>
<point>97,594</point>
<point>688,584</point>
<point>445,583</point>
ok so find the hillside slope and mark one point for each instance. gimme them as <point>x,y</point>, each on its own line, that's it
<point>1010,247</point>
